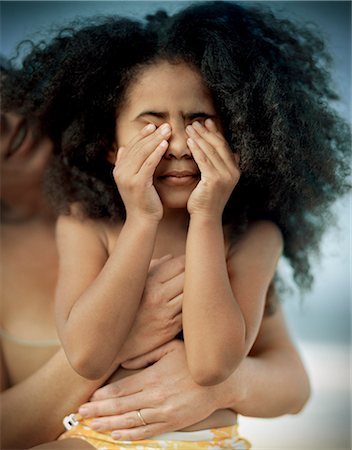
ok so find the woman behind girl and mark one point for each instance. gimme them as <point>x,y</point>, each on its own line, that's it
<point>192,73</point>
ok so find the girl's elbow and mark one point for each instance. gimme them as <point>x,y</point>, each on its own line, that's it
<point>208,379</point>
<point>86,365</point>
<point>210,376</point>
<point>209,371</point>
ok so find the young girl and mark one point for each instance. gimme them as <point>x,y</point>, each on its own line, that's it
<point>176,100</point>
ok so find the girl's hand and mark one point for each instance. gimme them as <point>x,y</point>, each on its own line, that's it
<point>134,169</point>
<point>218,166</point>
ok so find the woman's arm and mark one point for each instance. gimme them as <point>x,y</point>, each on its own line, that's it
<point>223,297</point>
<point>272,380</point>
<point>269,383</point>
<point>32,411</point>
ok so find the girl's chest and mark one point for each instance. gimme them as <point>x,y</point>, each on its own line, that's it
<point>173,243</point>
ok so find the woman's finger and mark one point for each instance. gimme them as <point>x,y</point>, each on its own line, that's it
<point>147,359</point>
<point>176,303</point>
<point>126,421</point>
<point>174,286</point>
<point>139,433</point>
<point>156,262</point>
<point>117,405</point>
<point>126,386</point>
<point>169,269</point>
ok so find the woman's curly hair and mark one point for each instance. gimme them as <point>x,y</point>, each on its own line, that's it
<point>271,83</point>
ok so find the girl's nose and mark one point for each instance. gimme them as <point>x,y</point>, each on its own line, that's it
<point>178,148</point>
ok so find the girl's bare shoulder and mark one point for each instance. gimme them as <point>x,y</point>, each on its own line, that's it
<point>260,236</point>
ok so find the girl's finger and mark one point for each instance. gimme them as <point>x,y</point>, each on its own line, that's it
<point>202,160</point>
<point>210,125</point>
<point>146,131</point>
<point>210,134</point>
<point>149,165</point>
<point>211,152</point>
<point>231,156</point>
<point>137,154</point>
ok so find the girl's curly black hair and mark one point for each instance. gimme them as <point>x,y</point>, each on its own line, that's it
<point>271,84</point>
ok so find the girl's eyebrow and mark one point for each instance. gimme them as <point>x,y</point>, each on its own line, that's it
<point>188,115</point>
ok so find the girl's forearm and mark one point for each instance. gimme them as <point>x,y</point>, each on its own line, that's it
<point>100,320</point>
<point>32,411</point>
<point>213,325</point>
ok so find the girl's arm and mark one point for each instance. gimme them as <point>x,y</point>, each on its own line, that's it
<point>98,294</point>
<point>270,382</point>
<point>223,300</point>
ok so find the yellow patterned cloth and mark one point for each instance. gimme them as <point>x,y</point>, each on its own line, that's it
<point>225,438</point>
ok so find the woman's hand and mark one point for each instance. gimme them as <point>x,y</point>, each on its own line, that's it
<point>162,392</point>
<point>218,166</point>
<point>134,169</point>
<point>159,317</point>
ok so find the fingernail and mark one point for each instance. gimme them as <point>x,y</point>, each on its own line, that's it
<point>165,129</point>
<point>209,122</point>
<point>95,424</point>
<point>164,144</point>
<point>150,127</point>
<point>115,435</point>
<point>189,129</point>
<point>84,412</point>
<point>196,124</point>
<point>190,141</point>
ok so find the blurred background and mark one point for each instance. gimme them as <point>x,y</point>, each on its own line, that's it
<point>320,323</point>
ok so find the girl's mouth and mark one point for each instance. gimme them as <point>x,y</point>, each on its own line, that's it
<point>179,178</point>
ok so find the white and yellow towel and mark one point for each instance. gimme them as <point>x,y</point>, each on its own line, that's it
<point>226,438</point>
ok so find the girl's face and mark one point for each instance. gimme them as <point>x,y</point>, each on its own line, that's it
<point>173,94</point>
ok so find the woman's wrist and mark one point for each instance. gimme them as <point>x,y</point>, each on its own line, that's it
<point>232,393</point>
